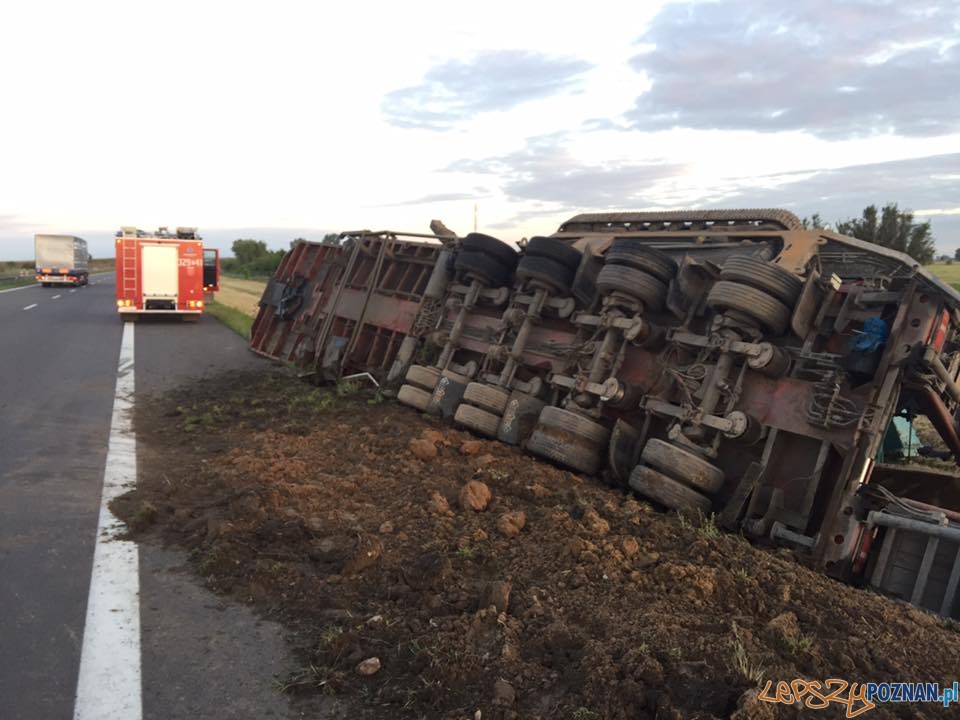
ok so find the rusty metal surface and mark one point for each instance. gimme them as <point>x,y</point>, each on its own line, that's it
<point>347,307</point>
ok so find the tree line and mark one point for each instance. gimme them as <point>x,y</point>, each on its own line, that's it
<point>252,258</point>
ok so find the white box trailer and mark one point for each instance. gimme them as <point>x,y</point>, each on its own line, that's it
<point>61,260</point>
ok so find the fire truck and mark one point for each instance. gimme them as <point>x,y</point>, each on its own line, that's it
<point>164,272</point>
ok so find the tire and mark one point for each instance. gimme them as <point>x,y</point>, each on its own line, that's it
<point>422,376</point>
<point>683,465</point>
<point>635,253</point>
<point>571,455</point>
<point>763,275</point>
<point>488,270</point>
<point>768,312</point>
<point>555,250</point>
<point>487,245</point>
<point>575,424</point>
<point>547,271</point>
<point>414,397</point>
<point>486,397</point>
<point>635,283</point>
<point>656,486</point>
<point>478,420</point>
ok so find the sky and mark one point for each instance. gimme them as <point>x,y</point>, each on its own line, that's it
<point>284,119</point>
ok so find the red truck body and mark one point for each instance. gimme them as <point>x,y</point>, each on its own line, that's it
<point>161,273</point>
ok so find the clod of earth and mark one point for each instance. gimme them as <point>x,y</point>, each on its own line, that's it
<point>423,449</point>
<point>439,504</point>
<point>497,594</point>
<point>370,666</point>
<point>475,496</point>
<point>471,447</point>
<point>368,550</point>
<point>511,523</point>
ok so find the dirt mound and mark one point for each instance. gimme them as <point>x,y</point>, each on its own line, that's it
<point>433,574</point>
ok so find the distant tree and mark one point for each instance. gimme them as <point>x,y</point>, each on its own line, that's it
<point>248,251</point>
<point>956,254</point>
<point>814,222</point>
<point>331,239</point>
<point>252,258</point>
<point>894,229</point>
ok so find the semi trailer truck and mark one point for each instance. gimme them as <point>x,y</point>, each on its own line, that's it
<point>725,362</point>
<point>61,260</point>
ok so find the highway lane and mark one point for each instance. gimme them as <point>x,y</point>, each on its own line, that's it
<point>58,362</point>
<point>201,656</point>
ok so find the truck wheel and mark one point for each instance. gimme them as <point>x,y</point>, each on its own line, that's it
<point>764,309</point>
<point>683,465</point>
<point>487,269</point>
<point>667,492</point>
<point>574,424</point>
<point>547,271</point>
<point>414,397</point>
<point>478,420</point>
<point>555,250</point>
<point>762,275</point>
<point>636,283</point>
<point>487,245</point>
<point>633,252</point>
<point>486,397</point>
<point>562,452</point>
<point>423,377</point>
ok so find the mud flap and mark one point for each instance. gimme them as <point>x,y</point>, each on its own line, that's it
<point>736,506</point>
<point>623,451</point>
<point>332,357</point>
<point>519,418</point>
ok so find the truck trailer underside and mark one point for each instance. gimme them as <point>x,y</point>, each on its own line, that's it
<point>727,362</point>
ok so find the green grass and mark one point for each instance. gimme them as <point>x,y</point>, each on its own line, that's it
<point>950,274</point>
<point>16,282</point>
<point>237,321</point>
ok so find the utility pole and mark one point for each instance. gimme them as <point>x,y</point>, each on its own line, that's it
<point>474,217</point>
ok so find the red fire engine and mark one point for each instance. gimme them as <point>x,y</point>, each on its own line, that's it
<point>164,272</point>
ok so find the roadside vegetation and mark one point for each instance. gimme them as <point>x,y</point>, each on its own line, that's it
<point>252,260</point>
<point>234,319</point>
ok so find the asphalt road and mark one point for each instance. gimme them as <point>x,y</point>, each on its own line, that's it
<point>201,657</point>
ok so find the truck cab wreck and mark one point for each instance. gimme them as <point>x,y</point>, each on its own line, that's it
<point>727,361</point>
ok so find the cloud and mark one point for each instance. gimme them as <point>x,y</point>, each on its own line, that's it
<point>456,90</point>
<point>477,194</point>
<point>545,171</point>
<point>835,69</point>
<point>842,192</point>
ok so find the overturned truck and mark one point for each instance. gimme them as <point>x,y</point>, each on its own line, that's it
<point>728,362</point>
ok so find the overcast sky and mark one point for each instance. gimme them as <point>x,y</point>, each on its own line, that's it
<point>282,119</point>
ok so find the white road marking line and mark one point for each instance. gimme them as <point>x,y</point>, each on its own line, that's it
<point>110,685</point>
<point>55,297</point>
<point>30,307</point>
<point>74,290</point>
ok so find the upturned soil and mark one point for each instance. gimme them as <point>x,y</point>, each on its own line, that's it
<point>472,581</point>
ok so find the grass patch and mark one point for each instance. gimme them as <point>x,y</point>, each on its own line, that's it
<point>16,282</point>
<point>234,319</point>
<point>752,672</point>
